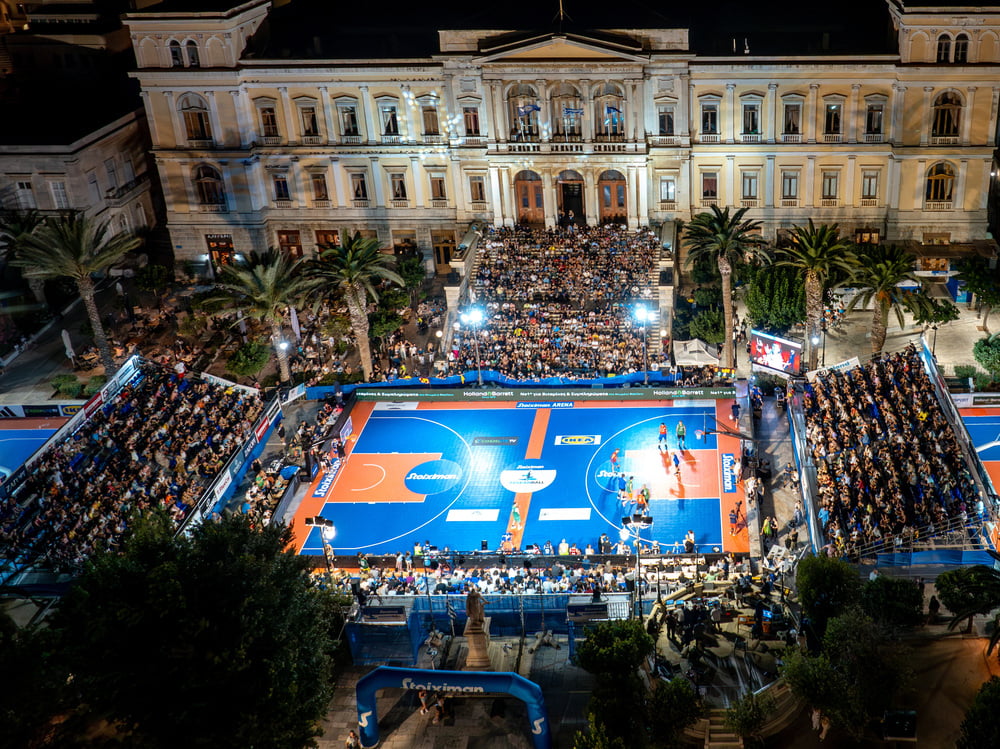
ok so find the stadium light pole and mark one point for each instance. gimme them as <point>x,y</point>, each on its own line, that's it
<point>329,533</point>
<point>474,316</point>
<point>631,526</point>
<point>644,315</point>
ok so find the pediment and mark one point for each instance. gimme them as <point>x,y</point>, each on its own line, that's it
<point>551,47</point>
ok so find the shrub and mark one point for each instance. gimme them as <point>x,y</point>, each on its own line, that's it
<point>152,278</point>
<point>249,359</point>
<point>94,384</point>
<point>66,385</point>
<point>709,326</point>
<point>987,353</point>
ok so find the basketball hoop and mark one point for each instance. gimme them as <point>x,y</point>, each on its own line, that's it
<point>699,433</point>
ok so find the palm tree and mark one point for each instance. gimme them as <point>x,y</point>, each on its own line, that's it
<point>73,246</point>
<point>13,226</point>
<point>826,259</point>
<point>264,287</point>
<point>968,591</point>
<point>879,271</point>
<point>726,240</point>
<point>354,266</point>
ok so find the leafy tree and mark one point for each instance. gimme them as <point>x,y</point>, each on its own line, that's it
<point>248,359</point>
<point>73,246</point>
<point>983,281</point>
<point>14,225</point>
<point>219,638</point>
<point>264,287</point>
<point>725,239</point>
<point>968,591</point>
<point>827,587</point>
<point>707,296</point>
<point>354,267</point>
<point>596,737</point>
<point>814,679</point>
<point>672,706</point>
<point>880,270</point>
<point>412,270</point>
<point>615,648</point>
<point>776,299</point>
<point>708,325</point>
<point>981,729</point>
<point>987,353</point>
<point>892,600</point>
<point>936,312</point>
<point>747,716</point>
<point>825,260</point>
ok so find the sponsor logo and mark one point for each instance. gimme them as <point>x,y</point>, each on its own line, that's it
<point>545,404</point>
<point>492,441</point>
<point>526,479</point>
<point>433,477</point>
<point>363,721</point>
<point>728,473</point>
<point>70,410</point>
<point>327,481</point>
<point>578,439</point>
<point>606,474</point>
<point>445,687</point>
<point>538,726</point>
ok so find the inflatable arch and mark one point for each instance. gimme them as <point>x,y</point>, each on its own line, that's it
<point>453,682</point>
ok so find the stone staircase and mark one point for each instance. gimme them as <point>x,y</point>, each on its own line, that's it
<point>718,736</point>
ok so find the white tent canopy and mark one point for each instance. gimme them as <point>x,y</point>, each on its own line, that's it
<point>695,353</point>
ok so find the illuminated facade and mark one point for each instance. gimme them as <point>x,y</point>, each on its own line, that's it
<point>267,133</point>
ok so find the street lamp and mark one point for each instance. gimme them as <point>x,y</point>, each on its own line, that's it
<point>632,525</point>
<point>644,315</point>
<point>329,532</point>
<point>474,316</point>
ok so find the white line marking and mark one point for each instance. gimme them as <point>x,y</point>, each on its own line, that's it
<point>372,465</point>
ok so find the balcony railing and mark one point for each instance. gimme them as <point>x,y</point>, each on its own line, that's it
<point>791,137</point>
<point>609,138</point>
<point>749,203</point>
<point>479,206</point>
<point>709,202</point>
<point>524,148</point>
<point>750,137</point>
<point>271,140</point>
<point>439,202</point>
<point>283,203</point>
<point>201,143</point>
<point>938,205</point>
<point>709,137</point>
<point>829,202</point>
<point>474,140</point>
<point>321,204</point>
<point>873,137</point>
<point>567,148</point>
<point>311,140</point>
<point>869,202</point>
<point>397,203</point>
<point>213,208</point>
<point>668,205</point>
<point>361,203</point>
<point>392,138</point>
<point>944,140</point>
<point>433,138</point>
<point>832,137</point>
<point>663,140</point>
<point>567,138</point>
<point>117,197</point>
<point>789,202</point>
<point>350,140</point>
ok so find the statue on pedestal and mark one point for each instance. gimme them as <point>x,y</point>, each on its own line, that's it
<point>475,610</point>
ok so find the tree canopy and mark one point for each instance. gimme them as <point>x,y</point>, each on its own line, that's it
<point>981,729</point>
<point>776,299</point>
<point>827,587</point>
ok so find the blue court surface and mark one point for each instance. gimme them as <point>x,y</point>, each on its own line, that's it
<point>17,445</point>
<point>515,474</point>
<point>983,424</point>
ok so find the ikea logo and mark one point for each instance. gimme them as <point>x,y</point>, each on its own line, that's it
<point>578,439</point>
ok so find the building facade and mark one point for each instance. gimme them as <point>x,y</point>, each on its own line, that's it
<point>261,141</point>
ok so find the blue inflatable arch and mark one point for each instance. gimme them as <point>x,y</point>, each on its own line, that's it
<point>449,682</point>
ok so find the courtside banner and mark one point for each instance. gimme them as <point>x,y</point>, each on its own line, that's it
<point>547,396</point>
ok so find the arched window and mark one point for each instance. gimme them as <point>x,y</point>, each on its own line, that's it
<point>527,176</point>
<point>940,183</point>
<point>947,115</point>
<point>524,108</point>
<point>961,48</point>
<point>196,122</point>
<point>567,113</point>
<point>611,175</point>
<point>208,183</point>
<point>609,112</point>
<point>192,54</point>
<point>944,48</point>
<point>176,56</point>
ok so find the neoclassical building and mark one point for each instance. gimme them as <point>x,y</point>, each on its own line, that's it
<point>287,126</point>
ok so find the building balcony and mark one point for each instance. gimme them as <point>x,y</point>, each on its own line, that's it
<point>663,140</point>
<point>749,203</point>
<point>938,205</point>
<point>869,202</point>
<point>566,148</point>
<point>213,208</point>
<point>709,202</point>
<point>668,205</point>
<point>283,203</point>
<point>201,143</point>
<point>567,138</point>
<point>433,139</point>
<point>944,140</point>
<point>873,137</point>
<point>120,196</point>
<point>789,202</point>
<point>609,138</point>
<point>709,138</point>
<point>479,206</point>
<point>832,137</point>
<point>361,203</point>
<point>351,140</point>
<point>829,202</point>
<point>311,140</point>
<point>399,203</point>
<point>321,204</point>
<point>271,140</point>
<point>473,140</point>
<point>439,202</point>
<point>750,137</point>
<point>791,137</point>
<point>388,138</point>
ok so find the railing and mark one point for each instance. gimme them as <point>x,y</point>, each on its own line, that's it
<point>791,137</point>
<point>751,137</point>
<point>709,138</point>
<point>321,204</point>
<point>117,196</point>
<point>567,148</point>
<point>609,138</point>
<point>439,202</point>
<point>351,140</point>
<point>201,143</point>
<point>938,205</point>
<point>663,140</point>
<point>944,140</point>
<point>399,203</point>
<point>829,202</point>
<point>283,203</point>
<point>271,140</point>
<point>474,140</point>
<point>311,140</point>
<point>668,205</point>
<point>392,138</point>
<point>479,205</point>
<point>433,138</point>
<point>567,138</point>
<point>524,148</point>
<point>610,147</point>
<point>709,202</point>
<point>361,203</point>
<point>213,208</point>
<point>832,137</point>
<point>749,203</point>
<point>873,137</point>
<point>869,202</point>
<point>789,202</point>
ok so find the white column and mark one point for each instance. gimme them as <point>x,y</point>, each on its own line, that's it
<point>630,198</point>
<point>968,114</point>
<point>549,201</point>
<point>810,182</point>
<point>919,184</point>
<point>768,187</point>
<point>299,185</point>
<point>685,102</point>
<point>771,115</point>
<point>849,181</point>
<point>639,113</point>
<point>230,186</point>
<point>342,183</point>
<point>499,219</point>
<point>241,119</point>
<point>852,113</point>
<point>588,112</point>
<point>961,179</point>
<point>291,132</point>
<point>811,113</point>
<point>495,104</point>
<point>895,135</point>
<point>731,106</point>
<point>218,136</point>
<point>419,178</point>
<point>407,123</point>
<point>510,199</point>
<point>892,184</point>
<point>928,116</point>
<point>545,116</point>
<point>180,134</point>
<point>328,123</point>
<point>684,195</point>
<point>642,185</point>
<point>731,197</point>
<point>371,125</point>
<point>591,200</point>
<point>253,169</point>
<point>150,118</point>
<point>378,189</point>
<point>458,181</point>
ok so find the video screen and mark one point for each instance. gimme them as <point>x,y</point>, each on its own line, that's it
<point>771,352</point>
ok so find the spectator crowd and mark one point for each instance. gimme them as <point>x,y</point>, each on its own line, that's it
<point>889,466</point>
<point>562,302</point>
<point>159,443</point>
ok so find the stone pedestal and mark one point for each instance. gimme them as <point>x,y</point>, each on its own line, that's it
<point>477,639</point>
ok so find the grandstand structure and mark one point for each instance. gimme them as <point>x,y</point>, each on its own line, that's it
<point>150,438</point>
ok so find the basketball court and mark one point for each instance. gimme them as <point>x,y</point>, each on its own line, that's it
<point>510,474</point>
<point>983,423</point>
<point>20,438</point>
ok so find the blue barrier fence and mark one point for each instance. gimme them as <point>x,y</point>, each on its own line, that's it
<point>945,557</point>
